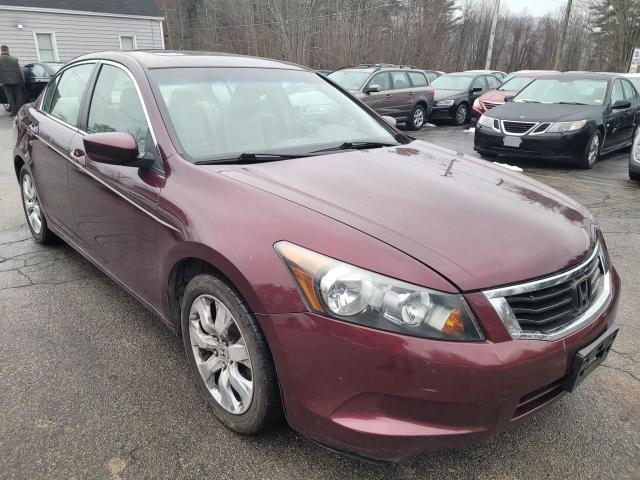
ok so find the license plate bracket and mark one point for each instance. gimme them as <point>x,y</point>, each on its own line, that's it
<point>511,141</point>
<point>587,359</point>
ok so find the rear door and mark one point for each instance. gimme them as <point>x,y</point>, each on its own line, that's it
<point>53,125</point>
<point>617,121</point>
<point>632,115</point>
<point>402,94</point>
<point>479,82</point>
<point>113,205</point>
<point>382,101</point>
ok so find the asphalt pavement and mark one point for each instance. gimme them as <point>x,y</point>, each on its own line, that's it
<point>92,385</point>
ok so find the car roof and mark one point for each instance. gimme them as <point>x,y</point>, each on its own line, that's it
<point>468,73</point>
<point>169,59</point>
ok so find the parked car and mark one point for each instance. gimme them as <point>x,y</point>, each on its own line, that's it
<point>36,76</point>
<point>386,295</point>
<point>509,88</point>
<point>400,92</point>
<point>571,117</point>
<point>634,158</point>
<point>432,74</point>
<point>633,78</point>
<point>456,92</point>
<point>496,73</point>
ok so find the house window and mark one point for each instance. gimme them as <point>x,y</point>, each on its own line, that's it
<point>127,42</point>
<point>46,47</point>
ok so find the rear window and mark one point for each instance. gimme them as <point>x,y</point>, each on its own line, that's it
<point>452,82</point>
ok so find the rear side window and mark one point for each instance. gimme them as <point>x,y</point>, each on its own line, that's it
<point>38,71</point>
<point>479,82</point>
<point>63,97</point>
<point>381,79</point>
<point>116,107</point>
<point>629,91</point>
<point>493,82</point>
<point>418,79</point>
<point>617,93</point>
<point>400,80</point>
<point>431,76</point>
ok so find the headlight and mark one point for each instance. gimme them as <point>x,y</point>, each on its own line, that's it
<point>567,126</point>
<point>355,295</point>
<point>444,103</point>
<point>486,121</point>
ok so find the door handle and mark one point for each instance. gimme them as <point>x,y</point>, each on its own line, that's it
<point>33,128</point>
<point>388,95</point>
<point>79,156</point>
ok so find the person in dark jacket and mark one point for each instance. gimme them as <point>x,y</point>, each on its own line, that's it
<point>12,79</point>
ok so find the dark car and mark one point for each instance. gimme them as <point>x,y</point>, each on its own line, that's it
<point>396,91</point>
<point>385,295</point>
<point>571,117</point>
<point>36,76</point>
<point>456,92</point>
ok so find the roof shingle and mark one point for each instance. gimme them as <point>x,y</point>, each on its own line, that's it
<point>123,7</point>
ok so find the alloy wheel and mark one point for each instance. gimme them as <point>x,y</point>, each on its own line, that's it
<point>594,149</point>
<point>221,354</point>
<point>31,204</point>
<point>418,118</point>
<point>461,114</point>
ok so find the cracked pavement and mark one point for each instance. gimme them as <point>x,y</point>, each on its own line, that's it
<point>92,385</point>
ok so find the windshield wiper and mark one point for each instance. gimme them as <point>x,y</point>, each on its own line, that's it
<point>252,158</point>
<point>571,103</point>
<point>356,146</point>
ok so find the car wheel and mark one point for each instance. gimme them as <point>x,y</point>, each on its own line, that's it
<point>229,356</point>
<point>32,210</point>
<point>7,107</point>
<point>417,118</point>
<point>592,152</point>
<point>461,115</point>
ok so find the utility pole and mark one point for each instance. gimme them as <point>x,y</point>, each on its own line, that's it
<point>492,35</point>
<point>563,34</point>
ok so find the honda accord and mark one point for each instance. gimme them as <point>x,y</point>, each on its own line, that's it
<point>385,295</point>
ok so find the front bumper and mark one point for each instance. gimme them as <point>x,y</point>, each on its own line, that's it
<point>386,396</point>
<point>443,113</point>
<point>566,147</point>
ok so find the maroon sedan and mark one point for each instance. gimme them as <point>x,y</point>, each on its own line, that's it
<point>385,295</point>
<point>511,86</point>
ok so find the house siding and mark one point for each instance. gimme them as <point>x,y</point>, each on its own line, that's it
<point>75,34</point>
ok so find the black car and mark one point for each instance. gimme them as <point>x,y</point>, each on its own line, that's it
<point>572,117</point>
<point>456,92</point>
<point>36,76</point>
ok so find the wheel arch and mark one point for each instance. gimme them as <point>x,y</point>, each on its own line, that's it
<point>18,163</point>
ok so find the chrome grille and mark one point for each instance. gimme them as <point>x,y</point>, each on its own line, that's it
<point>555,306</point>
<point>517,127</point>
<point>490,105</point>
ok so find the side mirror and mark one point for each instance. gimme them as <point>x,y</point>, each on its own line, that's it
<point>114,148</point>
<point>475,89</point>
<point>509,98</point>
<point>374,88</point>
<point>390,120</point>
<point>621,105</point>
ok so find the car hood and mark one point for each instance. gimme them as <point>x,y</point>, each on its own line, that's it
<point>496,95</point>
<point>477,224</point>
<point>445,94</point>
<point>545,112</point>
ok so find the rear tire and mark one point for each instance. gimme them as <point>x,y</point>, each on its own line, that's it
<point>591,153</point>
<point>417,118</point>
<point>33,211</point>
<point>461,115</point>
<point>229,356</point>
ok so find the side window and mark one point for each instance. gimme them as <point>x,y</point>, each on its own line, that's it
<point>431,76</point>
<point>115,107</point>
<point>629,91</point>
<point>418,79</point>
<point>493,82</point>
<point>38,71</point>
<point>480,82</point>
<point>63,97</point>
<point>617,93</point>
<point>381,79</point>
<point>400,80</point>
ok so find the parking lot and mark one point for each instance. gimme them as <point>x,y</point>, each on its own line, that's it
<point>92,385</point>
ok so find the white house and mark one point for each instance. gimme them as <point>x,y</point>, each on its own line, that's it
<point>59,30</point>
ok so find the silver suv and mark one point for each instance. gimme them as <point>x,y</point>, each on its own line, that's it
<point>399,91</point>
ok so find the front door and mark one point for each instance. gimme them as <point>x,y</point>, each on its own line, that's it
<point>113,205</point>
<point>380,101</point>
<point>52,127</point>
<point>618,122</point>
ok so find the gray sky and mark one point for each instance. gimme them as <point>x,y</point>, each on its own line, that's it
<point>535,7</point>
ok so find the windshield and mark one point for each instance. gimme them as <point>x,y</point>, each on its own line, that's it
<point>515,84</point>
<point>578,91</point>
<point>350,79</point>
<point>456,82</point>
<point>220,113</point>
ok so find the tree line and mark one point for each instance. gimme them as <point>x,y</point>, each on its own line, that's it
<point>444,35</point>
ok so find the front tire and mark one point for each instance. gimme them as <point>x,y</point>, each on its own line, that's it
<point>229,356</point>
<point>418,118</point>
<point>591,154</point>
<point>460,117</point>
<point>33,211</point>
